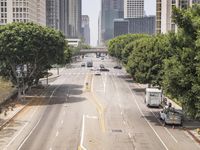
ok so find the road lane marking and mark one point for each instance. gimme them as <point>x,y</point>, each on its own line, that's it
<point>50,149</point>
<point>99,107</point>
<point>20,146</point>
<point>129,134</point>
<point>92,117</point>
<point>121,113</point>
<point>164,127</point>
<point>62,122</point>
<point>82,133</point>
<point>147,120</point>
<point>124,122</point>
<point>57,133</point>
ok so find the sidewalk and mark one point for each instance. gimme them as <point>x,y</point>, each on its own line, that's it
<point>190,126</point>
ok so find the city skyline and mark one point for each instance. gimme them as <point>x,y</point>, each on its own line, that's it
<point>93,10</point>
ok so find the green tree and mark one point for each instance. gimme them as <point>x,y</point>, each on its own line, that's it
<point>30,46</point>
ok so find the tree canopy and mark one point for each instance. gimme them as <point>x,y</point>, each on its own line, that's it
<point>30,49</point>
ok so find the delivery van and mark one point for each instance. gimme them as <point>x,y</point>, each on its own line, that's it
<point>153,97</point>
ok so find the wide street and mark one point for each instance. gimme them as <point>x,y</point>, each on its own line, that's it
<point>106,114</point>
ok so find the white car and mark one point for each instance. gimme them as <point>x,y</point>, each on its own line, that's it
<point>97,73</point>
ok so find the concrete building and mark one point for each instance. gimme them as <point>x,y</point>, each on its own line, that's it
<point>74,18</point>
<point>23,11</point>
<point>86,28</point>
<point>110,10</point>
<point>164,21</point>
<point>133,8</point>
<point>52,13</point>
<point>64,17</point>
<point>144,25</point>
<point>121,27</point>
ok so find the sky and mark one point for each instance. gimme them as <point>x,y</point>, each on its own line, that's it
<point>92,9</point>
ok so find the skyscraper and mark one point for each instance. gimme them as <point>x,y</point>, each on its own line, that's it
<point>64,16</point>
<point>74,16</point>
<point>133,8</point>
<point>110,10</point>
<point>86,28</point>
<point>23,11</point>
<point>52,13</point>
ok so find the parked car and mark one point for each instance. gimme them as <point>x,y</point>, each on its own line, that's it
<point>117,67</point>
<point>104,69</point>
<point>171,115</point>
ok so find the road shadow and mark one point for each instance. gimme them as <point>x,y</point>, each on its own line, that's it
<point>56,94</point>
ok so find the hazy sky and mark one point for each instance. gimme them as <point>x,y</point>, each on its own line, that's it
<point>92,8</point>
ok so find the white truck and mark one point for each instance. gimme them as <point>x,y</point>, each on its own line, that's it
<point>153,97</point>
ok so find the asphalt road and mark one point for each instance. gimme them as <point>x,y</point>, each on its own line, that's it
<point>108,114</point>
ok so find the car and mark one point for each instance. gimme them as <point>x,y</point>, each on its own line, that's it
<point>83,65</point>
<point>171,115</point>
<point>97,73</point>
<point>102,58</point>
<point>102,66</point>
<point>117,67</point>
<point>104,69</point>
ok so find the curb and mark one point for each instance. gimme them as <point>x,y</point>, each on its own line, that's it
<point>193,136</point>
<point>14,115</point>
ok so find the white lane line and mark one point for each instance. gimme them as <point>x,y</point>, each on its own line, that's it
<point>121,113</point>
<point>20,130</point>
<point>62,122</point>
<point>164,127</point>
<point>129,134</point>
<point>147,120</point>
<point>120,106</point>
<point>34,126</point>
<point>57,133</point>
<point>50,149</point>
<point>82,133</point>
<point>124,122</point>
<point>92,117</point>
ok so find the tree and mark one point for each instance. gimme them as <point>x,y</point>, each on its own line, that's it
<point>181,71</point>
<point>27,50</point>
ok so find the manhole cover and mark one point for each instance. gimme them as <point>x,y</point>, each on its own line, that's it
<point>117,130</point>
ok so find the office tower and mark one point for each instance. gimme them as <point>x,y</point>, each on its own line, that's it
<point>52,13</point>
<point>133,8</point>
<point>121,27</point>
<point>86,28</point>
<point>165,23</point>
<point>23,11</point>
<point>64,16</point>
<point>158,16</point>
<point>110,10</point>
<point>74,18</point>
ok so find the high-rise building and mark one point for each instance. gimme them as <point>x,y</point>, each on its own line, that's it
<point>158,16</point>
<point>52,13</point>
<point>121,27</point>
<point>74,16</point>
<point>23,11</point>
<point>133,8</point>
<point>164,21</point>
<point>110,10</point>
<point>86,28</point>
<point>64,16</point>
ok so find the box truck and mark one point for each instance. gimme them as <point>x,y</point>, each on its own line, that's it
<point>153,97</point>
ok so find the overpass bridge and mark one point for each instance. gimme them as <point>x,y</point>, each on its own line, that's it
<point>93,50</point>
